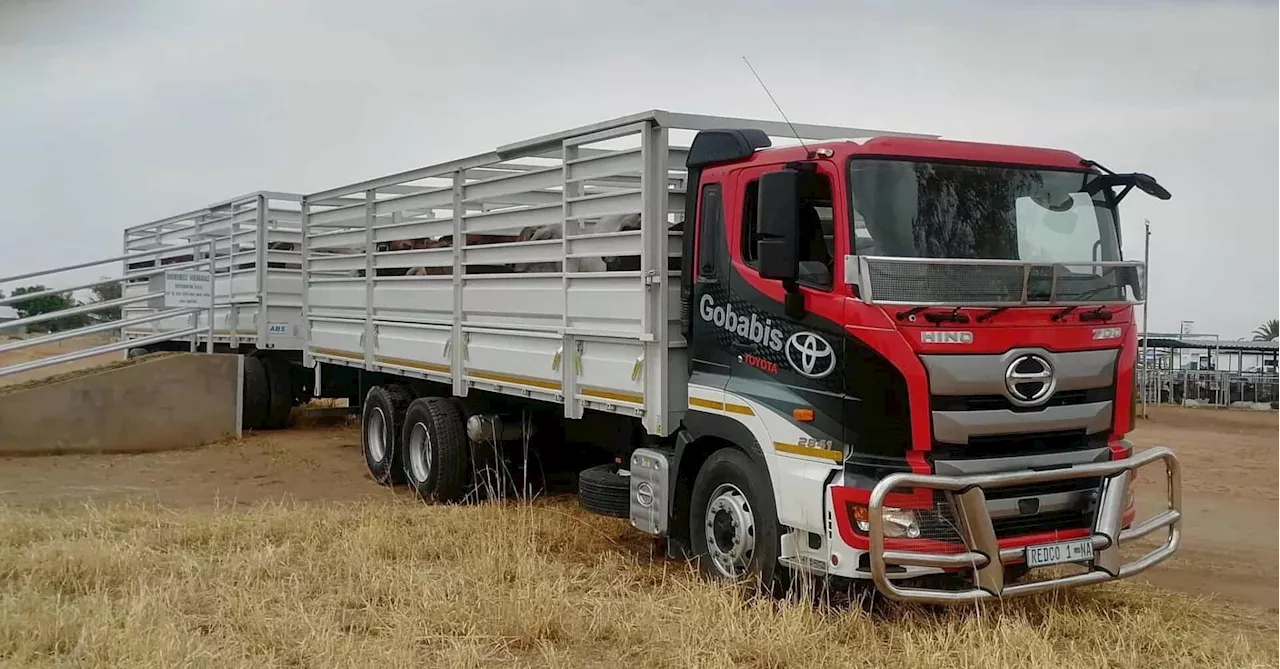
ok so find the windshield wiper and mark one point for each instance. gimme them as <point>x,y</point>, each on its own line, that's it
<point>1099,314</point>
<point>953,317</point>
<point>904,315</point>
<point>991,314</point>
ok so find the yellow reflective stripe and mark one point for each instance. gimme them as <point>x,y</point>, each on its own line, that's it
<point>808,451</point>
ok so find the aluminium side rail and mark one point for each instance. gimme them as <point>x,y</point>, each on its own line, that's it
<point>191,313</point>
<point>982,552</point>
<point>258,271</point>
<point>501,271</point>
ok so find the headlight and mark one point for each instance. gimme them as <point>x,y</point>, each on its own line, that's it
<point>898,523</point>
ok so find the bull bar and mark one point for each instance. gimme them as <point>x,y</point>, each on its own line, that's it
<point>982,551</point>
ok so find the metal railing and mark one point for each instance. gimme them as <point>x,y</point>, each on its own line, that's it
<point>162,298</point>
<point>994,283</point>
<point>981,552</point>
<point>1207,387</point>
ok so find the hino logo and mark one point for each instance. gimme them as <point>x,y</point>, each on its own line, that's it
<point>810,355</point>
<point>946,337</point>
<point>1029,380</point>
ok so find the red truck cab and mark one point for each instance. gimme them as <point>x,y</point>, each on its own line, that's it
<point>956,323</point>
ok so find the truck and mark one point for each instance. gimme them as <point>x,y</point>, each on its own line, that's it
<point>777,348</point>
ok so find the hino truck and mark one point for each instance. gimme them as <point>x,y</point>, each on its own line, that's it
<point>780,348</point>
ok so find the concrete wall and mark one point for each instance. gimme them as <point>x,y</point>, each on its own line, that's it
<point>171,401</point>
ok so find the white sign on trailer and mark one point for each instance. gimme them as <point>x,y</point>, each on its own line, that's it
<point>186,290</point>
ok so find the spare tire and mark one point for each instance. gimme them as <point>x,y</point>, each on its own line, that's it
<point>603,490</point>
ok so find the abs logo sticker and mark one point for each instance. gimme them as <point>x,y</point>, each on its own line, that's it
<point>753,328</point>
<point>810,355</point>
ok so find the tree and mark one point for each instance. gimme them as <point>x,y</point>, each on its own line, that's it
<point>105,293</point>
<point>48,304</point>
<point>1268,331</point>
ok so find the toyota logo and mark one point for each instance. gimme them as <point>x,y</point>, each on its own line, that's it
<point>1029,380</point>
<point>810,355</point>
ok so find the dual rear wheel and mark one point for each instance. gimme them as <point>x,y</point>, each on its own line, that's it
<point>420,441</point>
<point>268,393</point>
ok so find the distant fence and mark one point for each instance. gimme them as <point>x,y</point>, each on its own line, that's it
<point>1212,388</point>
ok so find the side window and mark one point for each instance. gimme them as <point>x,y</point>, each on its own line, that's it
<point>750,200</point>
<point>817,230</point>
<point>712,217</point>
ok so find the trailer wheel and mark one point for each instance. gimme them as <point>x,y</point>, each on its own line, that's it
<point>733,525</point>
<point>603,490</point>
<point>256,396</point>
<point>280,385</point>
<point>381,421</point>
<point>435,450</point>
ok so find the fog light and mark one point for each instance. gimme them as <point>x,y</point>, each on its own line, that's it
<point>898,523</point>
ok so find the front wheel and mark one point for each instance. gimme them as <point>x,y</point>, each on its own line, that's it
<point>733,524</point>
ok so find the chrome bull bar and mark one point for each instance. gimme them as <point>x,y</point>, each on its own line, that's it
<point>985,557</point>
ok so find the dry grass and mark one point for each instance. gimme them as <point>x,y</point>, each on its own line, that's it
<point>399,584</point>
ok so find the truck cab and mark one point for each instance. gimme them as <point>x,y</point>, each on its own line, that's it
<point>929,345</point>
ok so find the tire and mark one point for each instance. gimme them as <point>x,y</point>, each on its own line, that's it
<point>435,452</point>
<point>603,490</point>
<point>381,425</point>
<point>257,394</point>
<point>744,522</point>
<point>280,386</point>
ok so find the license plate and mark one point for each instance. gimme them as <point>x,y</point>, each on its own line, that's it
<point>1066,551</point>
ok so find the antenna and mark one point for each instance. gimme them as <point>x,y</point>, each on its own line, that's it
<point>775,104</point>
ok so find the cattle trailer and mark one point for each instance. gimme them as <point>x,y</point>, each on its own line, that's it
<point>255,292</point>
<point>855,353</point>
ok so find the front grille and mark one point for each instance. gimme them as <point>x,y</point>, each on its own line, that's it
<point>1007,445</point>
<point>1033,489</point>
<point>1041,522</point>
<point>1002,403</point>
<point>941,522</point>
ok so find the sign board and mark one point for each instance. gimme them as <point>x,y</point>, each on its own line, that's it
<point>187,290</point>
<point>280,329</point>
<point>1187,327</point>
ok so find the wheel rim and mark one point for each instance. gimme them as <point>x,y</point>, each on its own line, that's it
<point>419,452</point>
<point>375,434</point>
<point>730,530</point>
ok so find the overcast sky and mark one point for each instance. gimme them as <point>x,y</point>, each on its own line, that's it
<point>116,113</point>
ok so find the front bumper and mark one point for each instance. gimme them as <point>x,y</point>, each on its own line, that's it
<point>982,553</point>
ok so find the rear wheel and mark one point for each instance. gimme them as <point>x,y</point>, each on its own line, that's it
<point>280,383</point>
<point>256,396</point>
<point>733,525</point>
<point>435,449</point>
<point>380,431</point>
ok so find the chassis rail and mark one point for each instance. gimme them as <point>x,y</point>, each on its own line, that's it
<point>983,554</point>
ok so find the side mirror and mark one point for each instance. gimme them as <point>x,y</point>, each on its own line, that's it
<point>778,225</point>
<point>1147,184</point>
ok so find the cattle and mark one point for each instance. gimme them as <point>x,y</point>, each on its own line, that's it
<point>607,224</point>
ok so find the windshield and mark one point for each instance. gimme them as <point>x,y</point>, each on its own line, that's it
<point>904,208</point>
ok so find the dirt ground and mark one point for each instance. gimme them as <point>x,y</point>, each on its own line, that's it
<point>1228,458</point>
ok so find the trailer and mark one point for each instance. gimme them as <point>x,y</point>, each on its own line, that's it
<point>782,348</point>
<point>255,292</point>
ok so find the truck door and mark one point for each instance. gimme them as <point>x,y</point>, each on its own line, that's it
<point>779,362</point>
<point>710,363</point>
